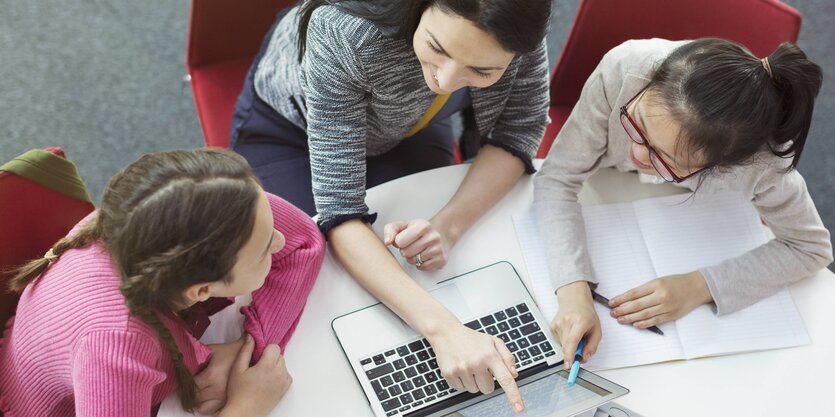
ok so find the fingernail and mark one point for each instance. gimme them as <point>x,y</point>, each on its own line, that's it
<point>518,407</point>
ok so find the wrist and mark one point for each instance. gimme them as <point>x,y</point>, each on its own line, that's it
<point>578,291</point>
<point>447,227</point>
<point>436,327</point>
<point>703,291</point>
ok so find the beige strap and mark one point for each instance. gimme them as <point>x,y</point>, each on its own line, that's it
<point>434,108</point>
<point>50,256</point>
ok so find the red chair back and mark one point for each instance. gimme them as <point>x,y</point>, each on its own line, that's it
<point>223,38</point>
<point>32,218</point>
<point>600,25</point>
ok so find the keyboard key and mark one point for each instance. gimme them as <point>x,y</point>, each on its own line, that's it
<point>411,372</point>
<point>365,361</point>
<point>411,360</point>
<point>398,376</point>
<point>391,413</point>
<point>399,364</point>
<point>426,343</point>
<point>402,409</point>
<point>514,322</point>
<point>529,328</point>
<point>417,403</point>
<point>423,356</point>
<point>431,377</point>
<point>534,351</point>
<point>546,347</point>
<point>523,343</point>
<point>512,347</point>
<point>429,398</point>
<point>526,318</point>
<point>379,359</point>
<point>386,380</point>
<point>488,320</point>
<point>503,326</point>
<point>536,338</point>
<point>511,312</point>
<point>433,363</point>
<point>422,368</point>
<point>475,325</point>
<point>419,381</point>
<point>430,390</point>
<point>418,394</point>
<point>407,386</point>
<point>442,385</point>
<point>390,352</point>
<point>523,308</point>
<point>416,346</point>
<point>505,338</point>
<point>526,363</point>
<point>538,358</point>
<point>431,352</point>
<point>379,371</point>
<point>551,353</point>
<point>442,394</point>
<point>390,404</point>
<point>523,355</point>
<point>492,330</point>
<point>500,316</point>
<point>395,391</point>
<point>406,398</point>
<point>382,394</point>
<point>515,335</point>
<point>403,351</point>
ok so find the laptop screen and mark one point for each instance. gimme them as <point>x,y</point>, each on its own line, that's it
<point>548,396</point>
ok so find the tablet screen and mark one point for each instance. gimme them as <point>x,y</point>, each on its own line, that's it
<point>548,396</point>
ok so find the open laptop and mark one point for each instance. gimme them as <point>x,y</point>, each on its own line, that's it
<point>397,369</point>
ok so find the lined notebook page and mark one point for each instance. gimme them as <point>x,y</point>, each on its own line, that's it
<point>684,234</point>
<point>623,257</point>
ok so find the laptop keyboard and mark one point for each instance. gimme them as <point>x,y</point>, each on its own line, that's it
<point>407,377</point>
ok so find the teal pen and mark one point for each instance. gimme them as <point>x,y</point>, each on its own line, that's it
<point>575,367</point>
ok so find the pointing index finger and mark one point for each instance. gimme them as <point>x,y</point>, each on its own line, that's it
<point>508,384</point>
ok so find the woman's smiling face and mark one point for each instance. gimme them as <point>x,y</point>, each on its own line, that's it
<point>454,53</point>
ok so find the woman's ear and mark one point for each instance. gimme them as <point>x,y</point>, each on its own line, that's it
<point>197,293</point>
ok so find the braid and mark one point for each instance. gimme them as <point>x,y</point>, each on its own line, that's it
<point>33,269</point>
<point>186,387</point>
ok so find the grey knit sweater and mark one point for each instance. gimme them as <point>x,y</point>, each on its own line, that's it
<point>358,91</point>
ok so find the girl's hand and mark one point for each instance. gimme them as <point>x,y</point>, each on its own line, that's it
<point>255,391</point>
<point>575,320</point>
<point>469,361</point>
<point>211,382</point>
<point>661,300</point>
<point>418,237</point>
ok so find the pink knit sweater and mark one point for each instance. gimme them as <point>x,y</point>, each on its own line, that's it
<point>73,350</point>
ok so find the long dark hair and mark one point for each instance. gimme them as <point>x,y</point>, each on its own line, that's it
<point>168,220</point>
<point>730,106</point>
<point>519,26</point>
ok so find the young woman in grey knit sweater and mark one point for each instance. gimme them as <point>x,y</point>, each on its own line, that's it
<point>708,116</point>
<point>333,104</point>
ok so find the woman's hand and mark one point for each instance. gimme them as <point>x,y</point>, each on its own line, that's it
<point>661,300</point>
<point>575,320</point>
<point>211,382</point>
<point>419,237</point>
<point>255,391</point>
<point>469,361</point>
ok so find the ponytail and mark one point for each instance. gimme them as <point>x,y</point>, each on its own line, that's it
<point>798,80</point>
<point>30,271</point>
<point>732,105</point>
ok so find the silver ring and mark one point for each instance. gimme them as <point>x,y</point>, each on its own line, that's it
<point>418,261</point>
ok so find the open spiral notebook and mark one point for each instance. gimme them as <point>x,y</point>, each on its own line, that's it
<point>632,243</point>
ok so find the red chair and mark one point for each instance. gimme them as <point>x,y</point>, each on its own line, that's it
<point>600,25</point>
<point>41,198</point>
<point>223,38</point>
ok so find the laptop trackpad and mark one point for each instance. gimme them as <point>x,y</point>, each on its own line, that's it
<point>452,298</point>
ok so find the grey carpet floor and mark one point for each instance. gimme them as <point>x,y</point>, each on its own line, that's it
<point>104,79</point>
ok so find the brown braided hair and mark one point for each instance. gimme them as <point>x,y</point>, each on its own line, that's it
<point>169,220</point>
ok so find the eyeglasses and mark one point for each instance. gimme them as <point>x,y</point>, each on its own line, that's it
<point>634,133</point>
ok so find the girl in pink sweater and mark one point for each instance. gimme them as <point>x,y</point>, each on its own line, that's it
<point>107,321</point>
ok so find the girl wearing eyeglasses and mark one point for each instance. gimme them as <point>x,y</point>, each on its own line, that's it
<point>706,115</point>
